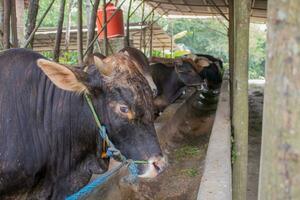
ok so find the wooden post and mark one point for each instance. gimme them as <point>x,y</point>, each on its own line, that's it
<point>128,25</point>
<point>79,33</point>
<point>59,31</point>
<point>6,24</point>
<point>105,39</point>
<point>68,25</point>
<point>240,97</point>
<point>151,36</point>
<point>20,21</point>
<point>91,28</point>
<point>231,50</point>
<point>13,24</point>
<point>88,12</point>
<point>142,21</point>
<point>280,152</point>
<point>31,19</point>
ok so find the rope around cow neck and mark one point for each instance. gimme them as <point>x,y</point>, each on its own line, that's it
<point>110,152</point>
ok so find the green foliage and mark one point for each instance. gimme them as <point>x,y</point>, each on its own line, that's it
<point>68,58</point>
<point>190,172</point>
<point>186,151</point>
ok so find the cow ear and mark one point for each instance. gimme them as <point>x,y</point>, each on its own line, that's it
<point>104,69</point>
<point>62,76</point>
<point>187,74</point>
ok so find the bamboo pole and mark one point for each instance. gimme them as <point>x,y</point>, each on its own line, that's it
<point>79,33</point>
<point>105,39</point>
<point>128,24</point>
<point>6,24</point>
<point>59,31</point>
<point>240,97</point>
<point>30,38</point>
<point>280,150</point>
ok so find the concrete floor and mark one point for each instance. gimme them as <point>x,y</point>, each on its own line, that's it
<point>255,129</point>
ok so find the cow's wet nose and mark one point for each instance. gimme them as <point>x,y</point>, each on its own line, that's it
<point>155,166</point>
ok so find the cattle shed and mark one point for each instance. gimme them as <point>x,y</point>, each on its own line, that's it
<point>279,176</point>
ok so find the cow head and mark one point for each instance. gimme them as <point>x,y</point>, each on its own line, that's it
<point>187,72</point>
<point>122,99</point>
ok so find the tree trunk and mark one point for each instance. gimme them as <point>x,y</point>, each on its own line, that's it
<point>20,21</point>
<point>59,31</point>
<point>240,97</point>
<point>79,33</point>
<point>280,151</point>
<point>68,25</point>
<point>92,26</point>
<point>14,31</point>
<point>31,19</point>
<point>6,24</point>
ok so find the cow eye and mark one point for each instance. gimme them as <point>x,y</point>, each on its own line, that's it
<point>124,109</point>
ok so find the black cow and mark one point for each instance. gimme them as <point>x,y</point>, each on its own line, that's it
<point>49,141</point>
<point>211,69</point>
<point>142,61</point>
<point>170,81</point>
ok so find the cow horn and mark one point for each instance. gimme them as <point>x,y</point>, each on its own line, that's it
<point>102,67</point>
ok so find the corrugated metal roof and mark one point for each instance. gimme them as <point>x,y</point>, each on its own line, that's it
<point>205,8</point>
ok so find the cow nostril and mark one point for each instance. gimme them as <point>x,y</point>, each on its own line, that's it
<point>156,167</point>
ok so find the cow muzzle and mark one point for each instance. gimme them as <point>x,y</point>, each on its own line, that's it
<point>155,166</point>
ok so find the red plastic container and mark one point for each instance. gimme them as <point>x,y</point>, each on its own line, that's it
<point>115,27</point>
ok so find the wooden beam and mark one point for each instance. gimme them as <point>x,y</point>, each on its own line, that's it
<point>240,97</point>
<point>280,154</point>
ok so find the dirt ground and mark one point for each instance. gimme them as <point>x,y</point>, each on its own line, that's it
<point>255,129</point>
<point>186,160</point>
